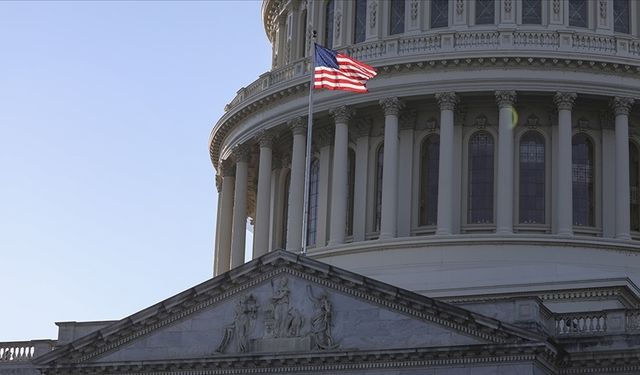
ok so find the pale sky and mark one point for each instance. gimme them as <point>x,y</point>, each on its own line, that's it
<point>107,194</point>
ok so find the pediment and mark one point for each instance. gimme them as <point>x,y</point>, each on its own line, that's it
<point>282,304</point>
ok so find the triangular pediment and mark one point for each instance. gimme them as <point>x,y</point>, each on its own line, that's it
<point>285,304</point>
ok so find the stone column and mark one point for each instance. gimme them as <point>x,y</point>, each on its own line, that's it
<point>339,183</point>
<point>621,107</point>
<point>216,245</point>
<point>223,255</point>
<point>275,202</point>
<point>391,107</point>
<point>296,189</point>
<point>564,198</point>
<point>261,227</point>
<point>241,154</point>
<point>447,102</point>
<point>405,172</point>
<point>504,191</point>
<point>362,131</point>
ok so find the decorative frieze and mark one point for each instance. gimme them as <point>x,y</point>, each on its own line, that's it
<point>505,98</point>
<point>447,100</point>
<point>391,106</point>
<point>564,100</point>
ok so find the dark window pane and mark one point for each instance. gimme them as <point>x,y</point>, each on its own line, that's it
<point>634,181</point>
<point>379,164</point>
<point>485,12</point>
<point>396,25</point>
<point>480,195</point>
<point>439,13</point>
<point>532,184</point>
<point>285,211</point>
<point>360,32</point>
<point>312,212</point>
<point>621,16</point>
<point>328,25</point>
<point>583,198</point>
<point>578,15</point>
<point>351,178</point>
<point>532,12</point>
<point>429,164</point>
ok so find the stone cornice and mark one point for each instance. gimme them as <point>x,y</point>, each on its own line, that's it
<point>328,362</point>
<point>300,83</point>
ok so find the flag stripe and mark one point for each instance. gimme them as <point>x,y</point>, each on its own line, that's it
<point>335,71</point>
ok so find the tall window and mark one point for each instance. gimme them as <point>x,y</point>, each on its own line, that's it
<point>379,164</point>
<point>485,12</point>
<point>480,195</point>
<point>583,196</point>
<point>396,21</point>
<point>351,179</point>
<point>360,28</point>
<point>439,13</point>
<point>621,16</point>
<point>532,184</point>
<point>532,12</point>
<point>285,211</point>
<point>312,211</point>
<point>328,24</point>
<point>578,13</point>
<point>634,181</point>
<point>429,163</point>
<point>304,33</point>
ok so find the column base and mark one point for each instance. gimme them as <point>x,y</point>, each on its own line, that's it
<point>443,232</point>
<point>504,231</point>
<point>386,236</point>
<point>623,236</point>
<point>335,243</point>
<point>565,233</point>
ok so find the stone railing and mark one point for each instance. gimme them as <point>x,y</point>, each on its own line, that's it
<point>597,322</point>
<point>24,351</point>
<point>448,44</point>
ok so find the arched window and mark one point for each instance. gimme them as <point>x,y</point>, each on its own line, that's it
<point>285,210</point>
<point>634,182</point>
<point>429,163</point>
<point>583,195</point>
<point>328,24</point>
<point>480,194</point>
<point>351,179</point>
<point>485,12</point>
<point>621,16</point>
<point>379,165</point>
<point>532,182</point>
<point>360,24</point>
<point>396,19</point>
<point>312,211</point>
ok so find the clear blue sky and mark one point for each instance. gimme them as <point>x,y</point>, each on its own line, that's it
<point>107,194</point>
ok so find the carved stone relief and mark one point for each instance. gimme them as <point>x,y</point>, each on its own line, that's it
<point>414,10</point>
<point>281,322</point>
<point>556,6</point>
<point>459,7</point>
<point>373,11</point>
<point>481,122</point>
<point>507,6</point>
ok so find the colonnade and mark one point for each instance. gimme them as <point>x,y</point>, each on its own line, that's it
<point>231,229</point>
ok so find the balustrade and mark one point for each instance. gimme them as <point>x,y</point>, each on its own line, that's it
<point>581,323</point>
<point>23,351</point>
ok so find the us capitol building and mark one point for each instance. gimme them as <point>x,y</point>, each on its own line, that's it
<point>477,212</point>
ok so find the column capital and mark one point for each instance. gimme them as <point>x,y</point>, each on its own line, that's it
<point>622,105</point>
<point>505,98</point>
<point>447,100</point>
<point>391,106</point>
<point>297,126</point>
<point>228,168</point>
<point>219,182</point>
<point>565,100</point>
<point>342,114</point>
<point>265,138</point>
<point>241,153</point>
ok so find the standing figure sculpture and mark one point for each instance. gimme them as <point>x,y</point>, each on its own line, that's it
<point>280,302</point>
<point>245,314</point>
<point>321,321</point>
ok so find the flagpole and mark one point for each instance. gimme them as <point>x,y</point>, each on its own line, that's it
<point>307,168</point>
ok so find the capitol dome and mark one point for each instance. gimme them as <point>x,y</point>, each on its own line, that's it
<point>497,150</point>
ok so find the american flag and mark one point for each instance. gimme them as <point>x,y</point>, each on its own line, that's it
<point>336,71</point>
